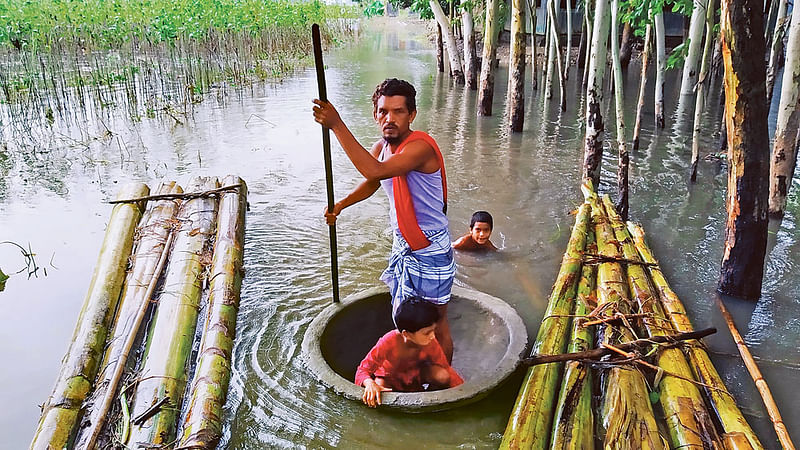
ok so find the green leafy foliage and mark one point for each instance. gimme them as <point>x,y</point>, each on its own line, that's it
<point>375,8</point>
<point>678,54</point>
<point>3,279</point>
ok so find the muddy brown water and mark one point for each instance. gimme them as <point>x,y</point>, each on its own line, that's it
<point>528,181</point>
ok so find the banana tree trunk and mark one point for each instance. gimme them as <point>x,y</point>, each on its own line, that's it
<point>593,144</point>
<point>531,419</point>
<point>573,424</point>
<point>736,431</point>
<point>486,92</point>
<point>203,425</point>
<point>661,64</point>
<point>61,411</point>
<point>648,37</point>
<point>516,67</point>
<point>470,60</point>
<point>456,68</point>
<point>776,48</point>
<point>696,26</point>
<point>702,83</point>
<point>624,159</point>
<point>748,150</point>
<point>784,152</point>
<point>147,261</point>
<point>169,343</point>
<point>688,423</point>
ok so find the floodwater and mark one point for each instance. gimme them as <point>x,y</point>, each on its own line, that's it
<point>55,200</point>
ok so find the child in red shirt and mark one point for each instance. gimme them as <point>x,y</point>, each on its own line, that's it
<point>480,229</point>
<point>408,357</point>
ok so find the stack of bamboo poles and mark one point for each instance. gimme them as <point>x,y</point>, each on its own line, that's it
<point>123,380</point>
<point>610,290</point>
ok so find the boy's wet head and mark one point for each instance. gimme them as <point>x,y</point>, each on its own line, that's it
<point>480,227</point>
<point>416,320</point>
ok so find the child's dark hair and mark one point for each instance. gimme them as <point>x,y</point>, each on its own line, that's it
<point>414,314</point>
<point>481,216</point>
<point>393,86</point>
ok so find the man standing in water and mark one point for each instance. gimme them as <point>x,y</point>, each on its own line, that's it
<point>409,166</point>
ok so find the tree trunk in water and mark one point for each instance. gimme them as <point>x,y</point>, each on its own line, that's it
<point>554,38</point>
<point>696,27</point>
<point>593,147</point>
<point>439,49</point>
<point>568,51</point>
<point>702,82</point>
<point>648,35</point>
<point>203,425</point>
<point>661,64</point>
<point>553,48</point>
<point>534,80</point>
<point>61,411</point>
<point>622,169</point>
<point>581,62</point>
<point>588,20</point>
<point>784,152</point>
<point>486,92</point>
<point>547,37</point>
<point>516,67</point>
<point>450,41</point>
<point>769,25</point>
<point>470,59</point>
<point>776,48</point>
<point>748,151</point>
<point>626,47</point>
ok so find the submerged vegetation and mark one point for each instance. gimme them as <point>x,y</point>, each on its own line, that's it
<point>150,55</point>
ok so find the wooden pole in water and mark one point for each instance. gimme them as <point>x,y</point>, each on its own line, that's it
<point>326,150</point>
<point>761,384</point>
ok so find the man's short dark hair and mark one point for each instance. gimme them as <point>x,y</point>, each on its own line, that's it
<point>414,314</point>
<point>481,216</point>
<point>393,86</point>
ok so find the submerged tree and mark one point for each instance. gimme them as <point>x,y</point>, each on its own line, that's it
<point>661,64</point>
<point>642,84</point>
<point>516,67</point>
<point>486,92</point>
<point>622,170</point>
<point>702,83</point>
<point>748,153</point>
<point>593,144</point>
<point>470,58</point>
<point>787,131</point>
<point>695,39</point>
<point>456,68</point>
<point>776,47</point>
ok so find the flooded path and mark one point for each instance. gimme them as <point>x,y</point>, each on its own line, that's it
<point>528,181</point>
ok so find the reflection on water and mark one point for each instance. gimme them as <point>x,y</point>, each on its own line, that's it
<point>528,181</point>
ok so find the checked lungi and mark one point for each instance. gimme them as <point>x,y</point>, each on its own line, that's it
<point>426,273</point>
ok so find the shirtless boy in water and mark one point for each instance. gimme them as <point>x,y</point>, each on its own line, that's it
<point>480,229</point>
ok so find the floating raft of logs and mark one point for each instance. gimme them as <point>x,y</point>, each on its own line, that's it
<point>169,274</point>
<point>609,292</point>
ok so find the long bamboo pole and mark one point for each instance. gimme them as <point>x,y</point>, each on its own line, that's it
<point>531,419</point>
<point>722,402</point>
<point>203,426</point>
<point>761,384</point>
<point>688,422</point>
<point>163,374</point>
<point>61,411</point>
<point>148,262</point>
<point>626,414</point>
<point>573,424</point>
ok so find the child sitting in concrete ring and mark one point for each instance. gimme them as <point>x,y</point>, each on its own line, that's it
<point>480,229</point>
<point>408,357</point>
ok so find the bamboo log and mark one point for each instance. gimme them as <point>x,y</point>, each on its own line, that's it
<point>761,384</point>
<point>62,409</point>
<point>531,419</point>
<point>163,374</point>
<point>688,422</point>
<point>626,414</point>
<point>722,402</point>
<point>573,425</point>
<point>202,428</point>
<point>147,261</point>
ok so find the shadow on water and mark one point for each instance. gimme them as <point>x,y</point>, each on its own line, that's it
<point>528,181</point>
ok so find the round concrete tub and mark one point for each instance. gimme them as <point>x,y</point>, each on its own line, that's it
<point>489,339</point>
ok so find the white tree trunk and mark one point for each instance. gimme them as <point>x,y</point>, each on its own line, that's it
<point>568,51</point>
<point>661,64</point>
<point>593,147</point>
<point>456,67</point>
<point>702,83</point>
<point>552,49</point>
<point>776,47</point>
<point>622,172</point>
<point>470,59</point>
<point>557,47</point>
<point>588,8</point>
<point>696,26</point>
<point>784,152</point>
